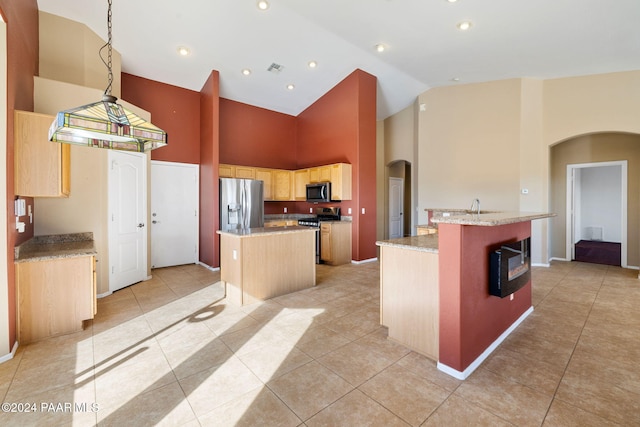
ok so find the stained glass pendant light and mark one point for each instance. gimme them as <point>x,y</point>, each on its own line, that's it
<point>106,124</point>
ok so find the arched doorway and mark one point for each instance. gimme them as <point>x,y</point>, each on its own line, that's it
<point>604,149</point>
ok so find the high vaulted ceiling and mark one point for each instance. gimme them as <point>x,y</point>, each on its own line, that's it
<point>424,48</point>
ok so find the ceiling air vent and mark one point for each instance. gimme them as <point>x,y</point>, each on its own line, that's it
<point>275,68</point>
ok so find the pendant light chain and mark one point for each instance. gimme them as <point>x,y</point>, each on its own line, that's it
<point>108,62</point>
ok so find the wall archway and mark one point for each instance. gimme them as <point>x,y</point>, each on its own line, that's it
<point>592,148</point>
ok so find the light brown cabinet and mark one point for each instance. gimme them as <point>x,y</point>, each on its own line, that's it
<point>301,178</point>
<point>245,172</point>
<point>266,176</point>
<point>341,181</point>
<point>335,242</point>
<point>42,167</point>
<point>320,174</point>
<point>282,183</point>
<point>54,296</point>
<point>226,171</point>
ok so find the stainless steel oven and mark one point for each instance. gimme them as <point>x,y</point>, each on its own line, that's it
<point>322,214</point>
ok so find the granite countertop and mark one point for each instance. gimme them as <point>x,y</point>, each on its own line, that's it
<point>55,246</point>
<point>491,218</point>
<point>262,231</point>
<point>424,243</point>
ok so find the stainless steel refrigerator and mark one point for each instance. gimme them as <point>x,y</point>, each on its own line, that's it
<point>241,204</point>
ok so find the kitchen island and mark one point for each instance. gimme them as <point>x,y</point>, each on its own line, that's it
<point>261,263</point>
<point>435,289</point>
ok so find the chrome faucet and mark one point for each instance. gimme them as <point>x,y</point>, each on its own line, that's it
<point>476,203</point>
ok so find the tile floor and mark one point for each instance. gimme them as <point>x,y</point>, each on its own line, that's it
<point>171,351</point>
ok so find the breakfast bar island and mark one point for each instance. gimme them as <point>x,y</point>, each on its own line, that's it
<point>261,263</point>
<point>435,289</point>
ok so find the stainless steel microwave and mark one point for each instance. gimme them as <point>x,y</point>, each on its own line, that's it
<point>319,192</point>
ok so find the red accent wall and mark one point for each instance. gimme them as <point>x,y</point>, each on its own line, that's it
<point>254,136</point>
<point>209,159</point>
<point>341,127</point>
<point>471,319</point>
<point>174,110</point>
<point>21,18</point>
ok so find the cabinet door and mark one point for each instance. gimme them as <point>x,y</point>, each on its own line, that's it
<point>245,172</point>
<point>282,185</point>
<point>54,296</point>
<point>226,171</point>
<point>42,167</point>
<point>325,243</point>
<point>265,175</point>
<point>341,181</point>
<point>325,173</point>
<point>301,181</point>
<point>314,175</point>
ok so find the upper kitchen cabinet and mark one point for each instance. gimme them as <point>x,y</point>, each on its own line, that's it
<point>341,181</point>
<point>226,171</point>
<point>42,167</point>
<point>320,174</point>
<point>301,178</point>
<point>282,184</point>
<point>266,176</point>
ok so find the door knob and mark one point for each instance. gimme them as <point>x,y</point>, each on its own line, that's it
<point>140,225</point>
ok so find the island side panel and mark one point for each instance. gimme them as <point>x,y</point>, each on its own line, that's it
<point>231,267</point>
<point>409,298</point>
<point>277,264</point>
<point>471,319</point>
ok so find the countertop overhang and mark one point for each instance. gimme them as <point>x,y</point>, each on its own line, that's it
<point>424,243</point>
<point>54,246</point>
<point>491,219</point>
<point>263,231</point>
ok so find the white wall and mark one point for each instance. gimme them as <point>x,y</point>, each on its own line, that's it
<point>601,201</point>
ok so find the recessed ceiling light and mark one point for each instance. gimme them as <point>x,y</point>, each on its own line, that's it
<point>455,79</point>
<point>263,5</point>
<point>246,71</point>
<point>312,64</point>
<point>290,86</point>
<point>184,51</point>
<point>464,25</point>
<point>380,48</point>
<point>452,1</point>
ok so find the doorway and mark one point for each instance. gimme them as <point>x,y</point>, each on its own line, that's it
<point>174,213</point>
<point>597,212</point>
<point>398,200</point>
<point>127,219</point>
<point>396,207</point>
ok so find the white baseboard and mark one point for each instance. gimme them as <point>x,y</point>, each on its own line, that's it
<point>106,294</point>
<point>208,267</point>
<point>364,261</point>
<point>559,259</point>
<point>11,355</point>
<point>474,365</point>
<point>540,264</point>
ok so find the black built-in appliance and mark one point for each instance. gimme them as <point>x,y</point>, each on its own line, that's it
<point>321,214</point>
<point>319,192</point>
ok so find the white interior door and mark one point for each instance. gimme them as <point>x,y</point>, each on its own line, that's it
<point>174,213</point>
<point>128,215</point>
<point>396,202</point>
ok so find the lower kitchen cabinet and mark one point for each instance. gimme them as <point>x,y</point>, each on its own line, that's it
<point>335,242</point>
<point>54,296</point>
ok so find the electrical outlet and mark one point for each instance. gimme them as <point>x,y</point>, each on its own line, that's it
<point>285,210</point>
<point>363,211</point>
<point>349,211</point>
<point>310,210</point>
